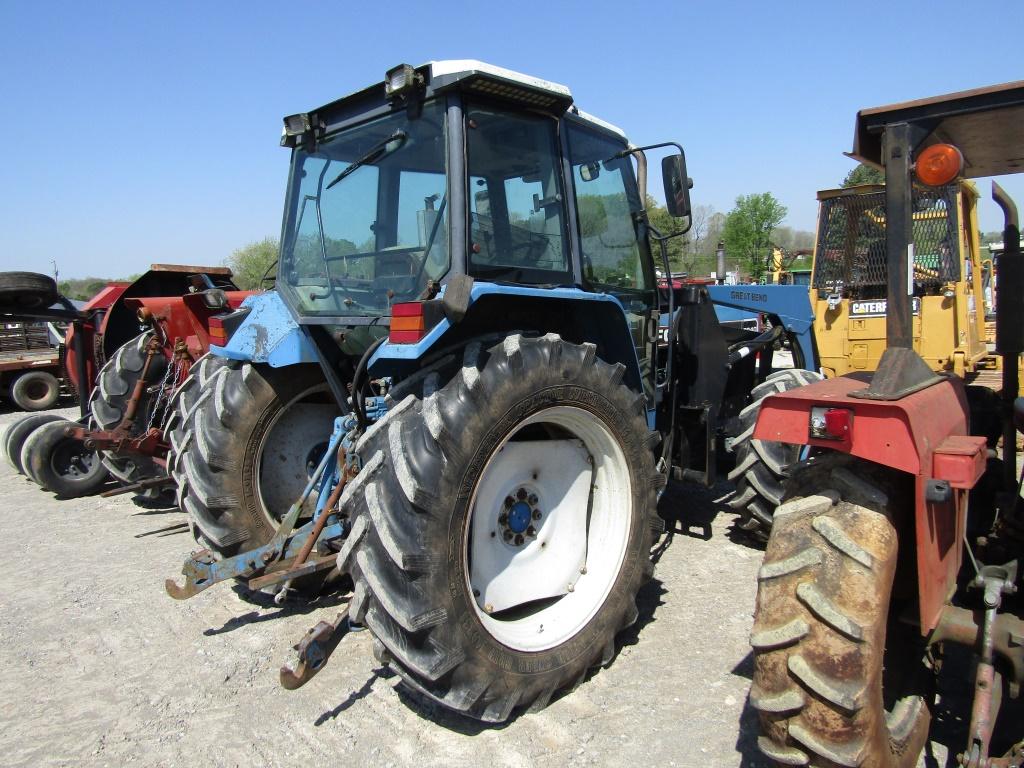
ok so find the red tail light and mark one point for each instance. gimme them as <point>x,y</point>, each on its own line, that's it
<point>831,423</point>
<point>407,323</point>
<point>217,334</point>
<point>837,423</point>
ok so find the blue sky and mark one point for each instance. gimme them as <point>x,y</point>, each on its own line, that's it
<point>145,132</point>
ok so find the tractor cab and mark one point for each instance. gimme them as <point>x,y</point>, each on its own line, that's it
<point>461,171</point>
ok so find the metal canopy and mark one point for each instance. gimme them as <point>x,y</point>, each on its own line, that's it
<point>984,124</point>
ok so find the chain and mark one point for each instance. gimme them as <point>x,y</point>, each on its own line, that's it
<point>163,395</point>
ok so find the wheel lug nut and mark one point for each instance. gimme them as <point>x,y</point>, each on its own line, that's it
<point>503,518</point>
<point>507,535</point>
<point>519,538</point>
<point>532,499</point>
<point>531,531</point>
<point>536,514</point>
<point>509,501</point>
<point>521,494</point>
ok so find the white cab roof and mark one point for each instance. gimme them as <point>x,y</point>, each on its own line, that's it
<point>460,68</point>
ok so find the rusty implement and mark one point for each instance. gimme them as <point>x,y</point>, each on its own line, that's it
<point>313,651</point>
<point>202,570</point>
<point>142,485</point>
<point>290,570</point>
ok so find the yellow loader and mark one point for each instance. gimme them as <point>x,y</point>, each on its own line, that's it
<point>848,285</point>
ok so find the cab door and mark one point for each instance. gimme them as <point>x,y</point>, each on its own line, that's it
<point>615,259</point>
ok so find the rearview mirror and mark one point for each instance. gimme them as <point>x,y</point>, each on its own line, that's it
<point>677,185</point>
<point>590,171</point>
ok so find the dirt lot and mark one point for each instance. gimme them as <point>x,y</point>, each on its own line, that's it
<point>100,667</point>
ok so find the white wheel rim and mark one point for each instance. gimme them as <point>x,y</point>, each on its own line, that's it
<point>280,468</point>
<point>587,504</point>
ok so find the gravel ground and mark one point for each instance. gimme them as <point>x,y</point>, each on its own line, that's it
<point>101,667</point>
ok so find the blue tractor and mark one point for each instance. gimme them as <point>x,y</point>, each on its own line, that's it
<point>466,291</point>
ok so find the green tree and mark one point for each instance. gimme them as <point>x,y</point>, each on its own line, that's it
<point>84,288</point>
<point>748,230</point>
<point>864,174</point>
<point>662,221</point>
<point>250,262</point>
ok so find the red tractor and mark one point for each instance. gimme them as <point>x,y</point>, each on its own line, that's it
<point>901,537</point>
<point>133,344</point>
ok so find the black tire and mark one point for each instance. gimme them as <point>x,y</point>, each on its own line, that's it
<point>223,414</point>
<point>62,464</point>
<point>838,678</point>
<point>17,434</point>
<point>411,505</point>
<point>114,386</point>
<point>35,391</point>
<point>26,291</point>
<point>762,466</point>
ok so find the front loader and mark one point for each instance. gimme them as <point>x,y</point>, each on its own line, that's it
<point>902,534</point>
<point>467,291</point>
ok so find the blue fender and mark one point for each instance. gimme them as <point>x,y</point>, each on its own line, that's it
<point>269,334</point>
<point>600,315</point>
<point>403,352</point>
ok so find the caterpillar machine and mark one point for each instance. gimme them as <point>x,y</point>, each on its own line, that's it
<point>848,287</point>
<point>885,560</point>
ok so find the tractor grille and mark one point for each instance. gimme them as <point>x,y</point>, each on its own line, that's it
<point>850,257</point>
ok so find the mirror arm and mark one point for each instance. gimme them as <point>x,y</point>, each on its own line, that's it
<point>631,149</point>
<point>639,152</point>
<point>662,241</point>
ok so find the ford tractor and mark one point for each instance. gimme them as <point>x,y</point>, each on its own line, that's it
<point>467,293</point>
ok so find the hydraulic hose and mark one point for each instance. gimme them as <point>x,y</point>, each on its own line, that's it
<point>739,351</point>
<point>358,402</point>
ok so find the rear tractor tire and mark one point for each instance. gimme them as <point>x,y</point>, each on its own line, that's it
<point>61,464</point>
<point>18,433</point>
<point>502,523</point>
<point>114,387</point>
<point>35,391</point>
<point>838,678</point>
<point>762,466</point>
<point>244,439</point>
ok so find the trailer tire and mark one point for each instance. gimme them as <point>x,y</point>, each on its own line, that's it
<point>224,415</point>
<point>838,678</point>
<point>418,536</point>
<point>17,434</point>
<point>27,290</point>
<point>35,391</point>
<point>762,466</point>
<point>114,386</point>
<point>61,464</point>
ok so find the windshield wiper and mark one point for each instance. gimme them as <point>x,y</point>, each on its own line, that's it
<point>375,153</point>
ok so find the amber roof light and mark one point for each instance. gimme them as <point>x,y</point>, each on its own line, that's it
<point>939,164</point>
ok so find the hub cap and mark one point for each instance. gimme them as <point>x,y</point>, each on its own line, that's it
<point>548,529</point>
<point>284,453</point>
